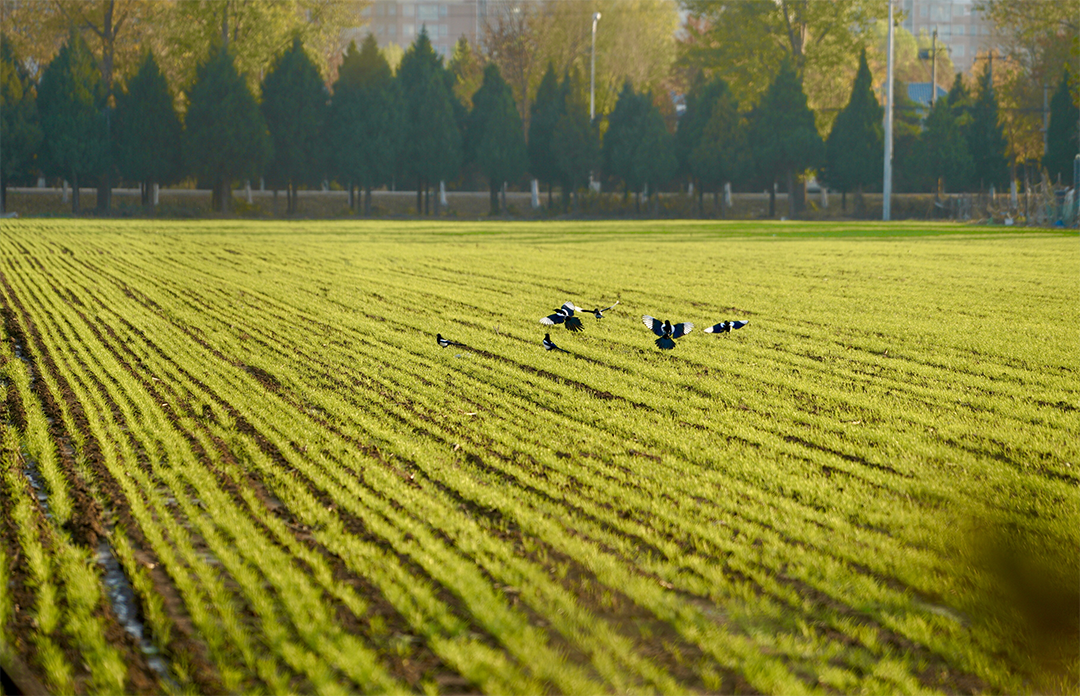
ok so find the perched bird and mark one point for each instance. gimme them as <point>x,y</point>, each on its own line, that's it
<point>599,313</point>
<point>666,331</point>
<point>725,327</point>
<point>446,342</point>
<point>550,345</point>
<point>565,315</point>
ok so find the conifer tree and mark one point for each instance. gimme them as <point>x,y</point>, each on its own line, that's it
<point>855,147</point>
<point>720,153</point>
<point>944,144</point>
<point>431,140</point>
<point>71,99</point>
<point>700,101</point>
<point>1062,139</point>
<point>225,136</point>
<point>986,138</point>
<point>294,104</point>
<point>576,141</point>
<point>908,173</point>
<point>548,106</point>
<point>622,141</point>
<point>494,140</point>
<point>785,140</point>
<point>20,131</point>
<point>363,124</point>
<point>147,129</point>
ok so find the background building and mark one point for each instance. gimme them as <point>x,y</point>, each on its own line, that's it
<point>399,21</point>
<point>961,27</point>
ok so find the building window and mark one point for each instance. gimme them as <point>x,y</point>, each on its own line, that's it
<point>392,30</point>
<point>959,50</point>
<point>443,10</point>
<point>923,11</point>
<point>408,9</point>
<point>391,10</point>
<point>959,29</point>
<point>408,30</point>
<point>380,30</point>
<point>429,13</point>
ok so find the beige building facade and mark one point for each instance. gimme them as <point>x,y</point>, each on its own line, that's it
<point>965,32</point>
<point>400,21</point>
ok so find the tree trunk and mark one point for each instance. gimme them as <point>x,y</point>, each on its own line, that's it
<point>701,200</point>
<point>419,196</point>
<point>772,201</point>
<point>793,211</point>
<point>367,201</point>
<point>637,202</point>
<point>494,198</point>
<point>549,195</point>
<point>427,198</point>
<point>718,203</point>
<point>352,198</point>
<point>843,201</point>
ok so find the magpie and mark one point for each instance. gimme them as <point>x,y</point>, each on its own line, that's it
<point>725,327</point>
<point>666,331</point>
<point>565,315</point>
<point>550,345</point>
<point>599,313</point>
<point>446,342</point>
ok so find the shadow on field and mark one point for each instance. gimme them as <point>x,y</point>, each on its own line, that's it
<point>1024,583</point>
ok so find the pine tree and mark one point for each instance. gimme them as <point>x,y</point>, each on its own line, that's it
<point>20,131</point>
<point>225,136</point>
<point>909,175</point>
<point>147,129</point>
<point>294,103</point>
<point>622,141</point>
<point>785,140</point>
<point>986,138</point>
<point>855,147</point>
<point>71,100</point>
<point>701,100</point>
<point>431,136</point>
<point>363,125</point>
<point>576,142</point>
<point>548,106</point>
<point>1062,140</point>
<point>721,150</point>
<point>495,141</point>
<point>944,146</point>
<point>655,162</point>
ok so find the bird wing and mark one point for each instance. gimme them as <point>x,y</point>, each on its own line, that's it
<point>552,319</point>
<point>722,327</point>
<point>611,307</point>
<point>570,308</point>
<point>665,343</point>
<point>653,324</point>
<point>574,324</point>
<point>739,324</point>
<point>681,329</point>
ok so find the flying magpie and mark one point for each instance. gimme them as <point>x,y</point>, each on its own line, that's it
<point>666,331</point>
<point>550,345</point>
<point>446,342</point>
<point>725,327</point>
<point>565,315</point>
<point>599,313</point>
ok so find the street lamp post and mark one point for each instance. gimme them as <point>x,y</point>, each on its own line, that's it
<point>592,70</point>
<point>887,179</point>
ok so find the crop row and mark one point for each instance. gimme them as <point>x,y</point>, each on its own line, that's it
<point>338,504</point>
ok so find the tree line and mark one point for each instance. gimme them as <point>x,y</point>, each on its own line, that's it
<point>414,128</point>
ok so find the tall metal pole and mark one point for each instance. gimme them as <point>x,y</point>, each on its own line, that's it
<point>887,183</point>
<point>592,70</point>
<point>933,69</point>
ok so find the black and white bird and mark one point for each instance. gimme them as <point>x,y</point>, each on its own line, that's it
<point>446,342</point>
<point>599,313</point>
<point>550,345</point>
<point>725,327</point>
<point>666,331</point>
<point>565,315</point>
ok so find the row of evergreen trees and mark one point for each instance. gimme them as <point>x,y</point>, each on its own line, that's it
<point>375,128</point>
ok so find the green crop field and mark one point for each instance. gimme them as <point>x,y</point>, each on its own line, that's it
<point>870,488</point>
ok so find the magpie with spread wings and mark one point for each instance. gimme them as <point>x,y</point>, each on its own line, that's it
<point>666,331</point>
